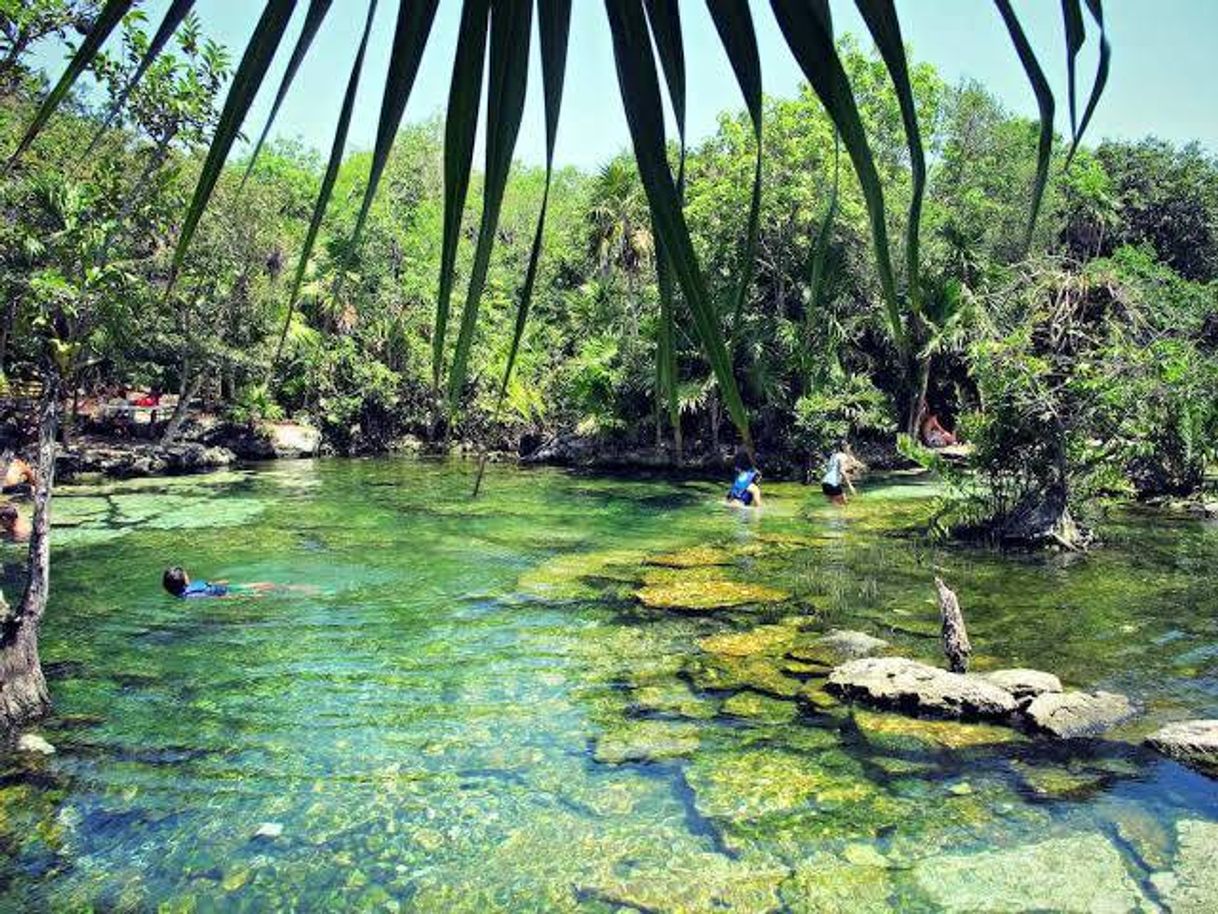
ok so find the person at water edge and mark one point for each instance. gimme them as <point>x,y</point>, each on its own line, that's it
<point>746,488</point>
<point>13,527</point>
<point>837,475</point>
<point>18,476</point>
<point>178,583</point>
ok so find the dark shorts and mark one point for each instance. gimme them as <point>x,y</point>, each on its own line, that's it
<point>831,491</point>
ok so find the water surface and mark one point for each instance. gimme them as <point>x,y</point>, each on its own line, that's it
<point>461,705</point>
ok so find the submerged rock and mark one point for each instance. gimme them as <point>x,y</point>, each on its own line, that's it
<point>693,557</point>
<point>1024,684</point>
<point>1074,714</point>
<point>702,596</point>
<point>837,646</point>
<point>906,685</point>
<point>761,708</point>
<point>764,639</point>
<point>646,741</point>
<point>1191,741</point>
<point>1189,888</point>
<point>269,830</point>
<point>819,886</point>
<point>34,744</point>
<point>1083,873</point>
<point>904,733</point>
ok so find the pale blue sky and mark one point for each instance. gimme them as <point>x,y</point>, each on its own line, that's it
<point>1162,79</point>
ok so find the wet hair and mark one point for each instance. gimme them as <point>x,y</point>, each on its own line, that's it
<point>8,514</point>
<point>174,580</point>
<point>743,461</point>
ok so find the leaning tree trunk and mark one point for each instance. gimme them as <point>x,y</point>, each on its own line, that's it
<point>23,690</point>
<point>187,391</point>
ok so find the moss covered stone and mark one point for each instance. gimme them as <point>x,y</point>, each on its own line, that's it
<point>693,557</point>
<point>703,596</point>
<point>752,706</point>
<point>646,741</point>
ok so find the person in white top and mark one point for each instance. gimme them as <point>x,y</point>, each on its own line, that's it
<point>837,475</point>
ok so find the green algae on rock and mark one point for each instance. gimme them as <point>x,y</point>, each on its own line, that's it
<point>692,557</point>
<point>646,741</point>
<point>703,596</point>
<point>763,639</point>
<point>762,708</point>
<point>898,731</point>
<point>827,885</point>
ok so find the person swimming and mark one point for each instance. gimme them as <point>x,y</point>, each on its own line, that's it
<point>178,583</point>
<point>13,528</point>
<point>746,488</point>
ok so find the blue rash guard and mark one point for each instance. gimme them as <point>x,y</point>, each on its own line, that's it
<point>199,589</point>
<point>740,488</point>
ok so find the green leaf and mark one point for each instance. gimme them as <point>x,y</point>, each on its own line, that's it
<point>409,39</point>
<point>640,90</point>
<point>808,29</point>
<point>553,26</point>
<point>1101,77</point>
<point>507,84</point>
<point>1044,101</point>
<point>460,127</point>
<point>1076,34</point>
<point>250,73</point>
<point>885,28</point>
<point>327,183</point>
<point>664,19</point>
<point>735,26</point>
<point>178,10</point>
<point>110,16</point>
<point>314,17</point>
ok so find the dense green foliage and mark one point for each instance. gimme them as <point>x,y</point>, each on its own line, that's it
<point>1085,363</point>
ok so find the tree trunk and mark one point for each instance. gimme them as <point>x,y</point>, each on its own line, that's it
<point>23,690</point>
<point>955,638</point>
<point>187,390</point>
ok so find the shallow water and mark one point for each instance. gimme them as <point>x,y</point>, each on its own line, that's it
<point>462,705</point>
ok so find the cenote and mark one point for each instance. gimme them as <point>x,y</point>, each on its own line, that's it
<point>467,707</point>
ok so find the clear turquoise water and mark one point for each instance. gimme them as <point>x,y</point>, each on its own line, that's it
<point>465,708</point>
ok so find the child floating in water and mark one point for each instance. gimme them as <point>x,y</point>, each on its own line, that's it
<point>179,584</point>
<point>13,528</point>
<point>746,489</point>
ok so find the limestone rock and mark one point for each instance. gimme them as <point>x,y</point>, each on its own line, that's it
<point>906,685</point>
<point>1073,714</point>
<point>1191,741</point>
<point>34,745</point>
<point>269,830</point>
<point>1081,873</point>
<point>646,741</point>
<point>837,646</point>
<point>288,439</point>
<point>1189,887</point>
<point>1024,684</point>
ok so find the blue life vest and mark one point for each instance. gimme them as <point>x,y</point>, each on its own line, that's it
<point>740,488</point>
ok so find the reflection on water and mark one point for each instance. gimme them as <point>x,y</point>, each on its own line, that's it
<point>470,710</point>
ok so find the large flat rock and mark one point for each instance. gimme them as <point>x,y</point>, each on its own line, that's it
<point>1074,714</point>
<point>1191,741</point>
<point>1024,684</point>
<point>1083,874</point>
<point>912,687</point>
